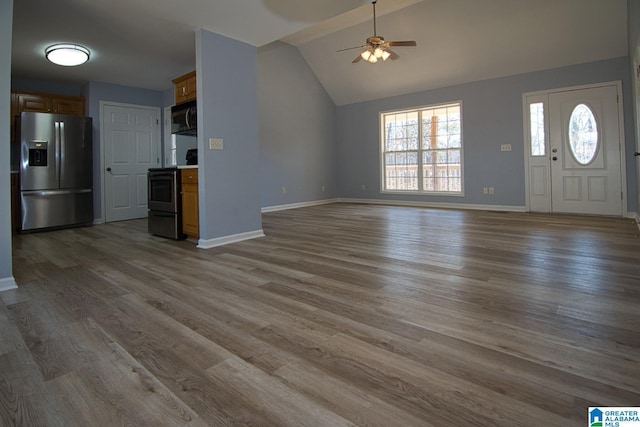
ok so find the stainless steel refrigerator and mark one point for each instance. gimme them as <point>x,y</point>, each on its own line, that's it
<point>56,170</point>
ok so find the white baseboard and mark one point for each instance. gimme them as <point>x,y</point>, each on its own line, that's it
<point>8,283</point>
<point>502,208</point>
<point>297,205</point>
<point>232,238</point>
<point>97,221</point>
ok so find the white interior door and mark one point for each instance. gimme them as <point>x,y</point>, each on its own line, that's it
<point>585,151</point>
<point>131,141</point>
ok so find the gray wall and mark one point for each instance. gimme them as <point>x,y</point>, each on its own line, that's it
<point>184,143</point>
<point>297,129</point>
<point>633,17</point>
<point>47,87</point>
<point>229,186</point>
<point>6,25</point>
<point>633,22</point>
<point>492,115</point>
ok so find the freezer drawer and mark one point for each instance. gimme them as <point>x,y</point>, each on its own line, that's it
<point>56,208</point>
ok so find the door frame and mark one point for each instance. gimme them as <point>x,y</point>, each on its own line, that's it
<point>167,137</point>
<point>527,148</point>
<point>158,144</point>
<point>635,98</point>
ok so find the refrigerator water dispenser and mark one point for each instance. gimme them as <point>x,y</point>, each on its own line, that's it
<point>38,153</point>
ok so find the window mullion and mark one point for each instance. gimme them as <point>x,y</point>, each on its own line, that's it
<point>420,159</point>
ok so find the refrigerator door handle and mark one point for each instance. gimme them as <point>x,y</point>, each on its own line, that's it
<point>63,149</point>
<point>54,192</point>
<point>57,148</point>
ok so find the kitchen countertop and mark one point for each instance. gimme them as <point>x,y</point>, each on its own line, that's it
<point>188,167</point>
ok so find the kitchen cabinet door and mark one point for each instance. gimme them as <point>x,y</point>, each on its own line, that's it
<point>185,87</point>
<point>15,202</point>
<point>34,103</point>
<point>68,106</point>
<point>190,206</point>
<point>49,103</point>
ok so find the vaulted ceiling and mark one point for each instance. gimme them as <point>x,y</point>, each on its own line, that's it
<point>146,43</point>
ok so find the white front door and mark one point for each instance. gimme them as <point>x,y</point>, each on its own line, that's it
<point>131,141</point>
<point>585,151</point>
<point>575,156</point>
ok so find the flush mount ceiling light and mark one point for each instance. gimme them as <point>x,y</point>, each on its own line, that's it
<point>67,54</point>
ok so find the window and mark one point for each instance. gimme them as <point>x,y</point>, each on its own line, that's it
<point>536,125</point>
<point>583,134</point>
<point>422,150</point>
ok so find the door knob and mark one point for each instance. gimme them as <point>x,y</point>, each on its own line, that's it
<point>636,154</point>
<point>555,150</point>
<point>108,169</point>
<point>554,158</point>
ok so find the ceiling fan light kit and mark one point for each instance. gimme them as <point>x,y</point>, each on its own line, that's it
<point>376,47</point>
<point>374,54</point>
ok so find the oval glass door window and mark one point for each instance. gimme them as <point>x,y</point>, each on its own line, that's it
<point>583,134</point>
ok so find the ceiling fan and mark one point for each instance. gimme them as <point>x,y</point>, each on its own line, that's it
<point>376,47</point>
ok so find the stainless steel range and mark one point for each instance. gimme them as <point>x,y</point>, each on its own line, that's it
<point>165,203</point>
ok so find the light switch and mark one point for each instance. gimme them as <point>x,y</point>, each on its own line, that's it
<point>215,144</point>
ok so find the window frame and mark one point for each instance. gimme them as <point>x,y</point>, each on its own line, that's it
<point>420,150</point>
<point>531,129</point>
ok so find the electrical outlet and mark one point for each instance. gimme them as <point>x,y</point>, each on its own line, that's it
<point>505,147</point>
<point>284,190</point>
<point>485,190</point>
<point>491,190</point>
<point>324,189</point>
<point>364,187</point>
<point>216,144</point>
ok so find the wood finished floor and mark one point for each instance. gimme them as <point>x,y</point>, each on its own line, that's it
<point>342,315</point>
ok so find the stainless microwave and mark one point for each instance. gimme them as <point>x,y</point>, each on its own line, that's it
<point>184,119</point>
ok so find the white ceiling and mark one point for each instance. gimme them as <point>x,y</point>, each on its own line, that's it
<point>146,43</point>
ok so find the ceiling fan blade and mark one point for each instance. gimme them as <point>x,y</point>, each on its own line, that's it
<point>358,58</point>
<point>401,43</point>
<point>394,55</point>
<point>350,48</point>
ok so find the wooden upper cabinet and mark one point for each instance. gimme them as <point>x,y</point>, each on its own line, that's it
<point>185,87</point>
<point>69,106</point>
<point>34,103</point>
<point>48,103</point>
